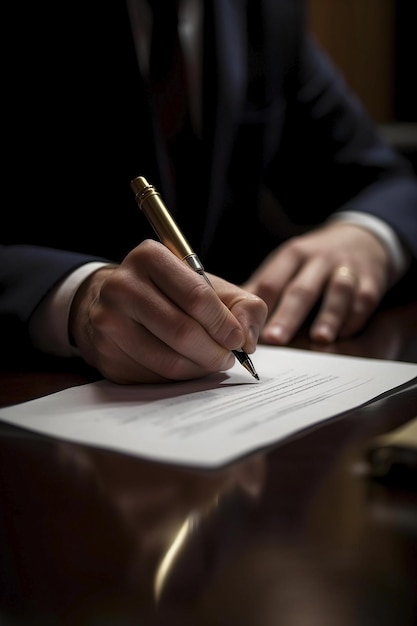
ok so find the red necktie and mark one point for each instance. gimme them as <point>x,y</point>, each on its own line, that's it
<point>167,71</point>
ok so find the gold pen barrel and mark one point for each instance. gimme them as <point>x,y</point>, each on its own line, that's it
<point>163,223</point>
<point>169,234</point>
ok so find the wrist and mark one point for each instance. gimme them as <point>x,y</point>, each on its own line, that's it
<point>79,330</point>
<point>48,327</point>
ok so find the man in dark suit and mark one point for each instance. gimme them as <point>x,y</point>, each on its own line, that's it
<point>273,169</point>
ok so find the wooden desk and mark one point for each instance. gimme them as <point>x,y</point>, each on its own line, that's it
<point>295,536</point>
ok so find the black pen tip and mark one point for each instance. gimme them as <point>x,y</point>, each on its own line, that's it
<point>249,366</point>
<point>244,359</point>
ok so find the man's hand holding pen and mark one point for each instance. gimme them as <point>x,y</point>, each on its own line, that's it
<point>151,319</point>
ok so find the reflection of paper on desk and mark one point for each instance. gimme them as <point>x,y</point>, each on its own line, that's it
<point>211,421</point>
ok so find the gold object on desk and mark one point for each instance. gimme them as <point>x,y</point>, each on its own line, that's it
<point>164,225</point>
<point>395,450</point>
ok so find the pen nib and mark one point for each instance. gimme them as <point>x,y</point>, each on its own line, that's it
<point>244,359</point>
<point>248,365</point>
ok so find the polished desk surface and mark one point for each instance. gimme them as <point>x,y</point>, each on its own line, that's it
<point>296,535</point>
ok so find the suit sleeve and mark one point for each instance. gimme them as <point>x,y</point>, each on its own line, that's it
<point>27,275</point>
<point>332,156</point>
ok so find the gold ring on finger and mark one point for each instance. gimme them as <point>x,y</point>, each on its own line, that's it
<point>345,272</point>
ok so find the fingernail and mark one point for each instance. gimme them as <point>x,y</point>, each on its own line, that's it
<point>323,332</point>
<point>276,334</point>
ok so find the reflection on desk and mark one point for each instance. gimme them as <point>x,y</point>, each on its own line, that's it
<point>298,535</point>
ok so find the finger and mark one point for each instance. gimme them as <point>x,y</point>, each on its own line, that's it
<point>187,337</point>
<point>189,292</point>
<point>368,295</point>
<point>251,313</point>
<point>337,305</point>
<point>250,310</point>
<point>146,307</point>
<point>297,300</point>
<point>127,352</point>
<point>273,276</point>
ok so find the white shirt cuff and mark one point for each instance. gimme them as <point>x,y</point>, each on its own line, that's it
<point>48,327</point>
<point>399,256</point>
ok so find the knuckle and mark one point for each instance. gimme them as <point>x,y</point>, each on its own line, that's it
<point>295,247</point>
<point>146,248</point>
<point>368,298</point>
<point>344,285</point>
<point>206,306</point>
<point>257,308</point>
<point>266,291</point>
<point>199,296</point>
<point>300,291</point>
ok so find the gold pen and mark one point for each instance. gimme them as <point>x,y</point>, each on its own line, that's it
<point>164,225</point>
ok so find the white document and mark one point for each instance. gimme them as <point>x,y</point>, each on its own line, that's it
<point>212,421</point>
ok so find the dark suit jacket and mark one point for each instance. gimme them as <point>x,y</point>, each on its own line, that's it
<point>281,132</point>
